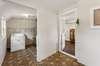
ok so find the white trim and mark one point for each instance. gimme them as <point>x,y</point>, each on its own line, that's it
<point>69,11</point>
<point>92,17</point>
<point>69,8</point>
<point>74,10</point>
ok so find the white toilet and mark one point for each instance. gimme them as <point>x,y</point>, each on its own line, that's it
<point>17,42</point>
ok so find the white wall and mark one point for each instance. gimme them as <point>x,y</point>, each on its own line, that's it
<point>1,3</point>
<point>88,47</point>
<point>47,34</point>
<point>2,41</point>
<point>46,29</point>
<point>2,49</point>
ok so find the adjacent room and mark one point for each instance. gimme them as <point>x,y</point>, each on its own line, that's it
<point>70,39</point>
<point>69,23</point>
<point>21,32</point>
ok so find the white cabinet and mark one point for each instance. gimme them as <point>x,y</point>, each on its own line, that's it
<point>17,42</point>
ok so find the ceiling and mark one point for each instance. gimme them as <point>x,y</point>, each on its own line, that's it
<point>1,2</point>
<point>58,4</point>
<point>52,4</point>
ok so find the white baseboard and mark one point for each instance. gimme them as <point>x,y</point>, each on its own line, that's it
<point>68,54</point>
<point>50,54</point>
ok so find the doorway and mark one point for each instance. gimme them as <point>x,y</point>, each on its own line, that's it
<point>69,46</point>
<point>67,32</point>
<point>21,33</point>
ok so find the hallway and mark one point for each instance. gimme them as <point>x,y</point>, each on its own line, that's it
<point>27,57</point>
<point>69,47</point>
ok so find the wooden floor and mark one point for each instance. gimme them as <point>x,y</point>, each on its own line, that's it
<point>27,57</point>
<point>69,47</point>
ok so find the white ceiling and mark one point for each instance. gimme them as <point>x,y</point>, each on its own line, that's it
<point>58,4</point>
<point>52,4</point>
<point>1,2</point>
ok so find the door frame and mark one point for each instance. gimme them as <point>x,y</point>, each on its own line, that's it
<point>61,31</point>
